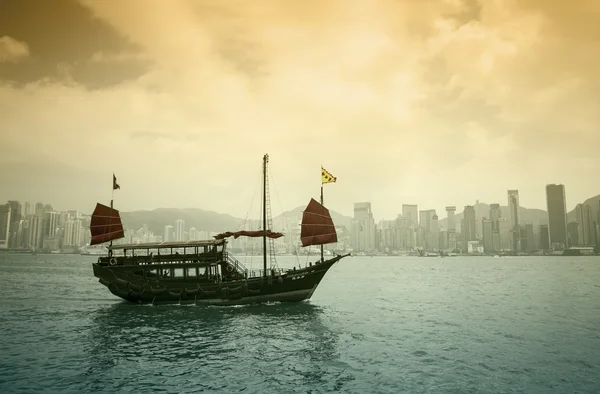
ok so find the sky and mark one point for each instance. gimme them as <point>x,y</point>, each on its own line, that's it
<point>432,102</point>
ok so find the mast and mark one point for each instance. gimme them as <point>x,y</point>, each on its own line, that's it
<point>322,204</point>
<point>326,177</point>
<point>112,197</point>
<point>264,209</point>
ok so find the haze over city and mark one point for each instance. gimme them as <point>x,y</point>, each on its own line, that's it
<point>433,102</point>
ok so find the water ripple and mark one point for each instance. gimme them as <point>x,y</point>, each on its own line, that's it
<point>520,325</point>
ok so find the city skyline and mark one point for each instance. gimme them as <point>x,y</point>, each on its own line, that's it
<point>400,211</point>
<point>432,103</point>
<point>41,227</point>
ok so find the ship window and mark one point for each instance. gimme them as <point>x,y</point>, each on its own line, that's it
<point>165,273</point>
<point>177,272</point>
<point>191,272</point>
<point>152,274</point>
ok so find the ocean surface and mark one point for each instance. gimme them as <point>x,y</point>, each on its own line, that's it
<point>374,325</point>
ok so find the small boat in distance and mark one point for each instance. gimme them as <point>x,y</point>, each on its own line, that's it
<point>204,272</point>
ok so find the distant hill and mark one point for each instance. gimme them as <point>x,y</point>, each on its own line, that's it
<point>157,219</point>
<point>593,202</point>
<point>203,220</point>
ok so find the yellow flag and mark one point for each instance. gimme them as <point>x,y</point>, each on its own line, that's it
<point>326,177</point>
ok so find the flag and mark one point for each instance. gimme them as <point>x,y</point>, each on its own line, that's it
<point>115,184</point>
<point>326,177</point>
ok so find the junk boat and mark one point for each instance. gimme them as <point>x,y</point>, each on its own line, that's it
<point>204,272</point>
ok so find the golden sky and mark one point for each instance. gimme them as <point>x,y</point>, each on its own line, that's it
<point>431,102</point>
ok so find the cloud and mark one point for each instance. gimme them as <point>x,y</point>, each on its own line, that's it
<point>12,50</point>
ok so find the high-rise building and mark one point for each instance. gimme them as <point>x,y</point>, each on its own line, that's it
<point>193,234</point>
<point>35,232</point>
<point>39,209</point>
<point>530,237</point>
<point>505,234</point>
<point>4,225</point>
<point>572,234</point>
<point>584,217</point>
<point>598,229</point>
<point>469,226</point>
<point>452,241</point>
<point>544,237</point>
<point>513,216</point>
<point>435,233</point>
<point>15,208</point>
<point>168,236</point>
<point>363,227</point>
<point>179,230</point>
<point>410,212</point>
<point>26,209</point>
<point>15,218</point>
<point>425,219</point>
<point>495,215</point>
<point>451,220</point>
<point>424,234</point>
<point>72,233</point>
<point>50,224</point>
<point>557,216</point>
<point>488,243</point>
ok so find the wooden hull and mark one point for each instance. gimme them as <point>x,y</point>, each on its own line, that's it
<point>292,286</point>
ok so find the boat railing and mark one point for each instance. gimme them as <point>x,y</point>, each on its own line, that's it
<point>275,272</point>
<point>239,267</point>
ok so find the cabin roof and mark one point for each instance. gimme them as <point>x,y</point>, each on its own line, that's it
<point>161,245</point>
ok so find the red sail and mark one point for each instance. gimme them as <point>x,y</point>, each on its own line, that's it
<point>105,225</point>
<point>317,225</point>
<point>259,233</point>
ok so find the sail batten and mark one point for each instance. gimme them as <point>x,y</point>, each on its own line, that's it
<point>317,225</point>
<point>246,233</point>
<point>105,225</point>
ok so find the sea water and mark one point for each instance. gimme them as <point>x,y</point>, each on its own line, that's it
<point>374,325</point>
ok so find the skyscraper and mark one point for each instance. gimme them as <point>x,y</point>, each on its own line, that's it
<point>506,240</point>
<point>469,226</point>
<point>572,234</point>
<point>363,227</point>
<point>410,212</point>
<point>26,209</point>
<point>72,233</point>
<point>544,237</point>
<point>39,209</point>
<point>168,235</point>
<point>557,216</point>
<point>193,234</point>
<point>35,232</point>
<point>179,230</point>
<point>50,224</point>
<point>4,225</point>
<point>486,227</point>
<point>513,216</point>
<point>425,219</point>
<point>494,217</point>
<point>15,218</point>
<point>424,235</point>
<point>529,236</point>
<point>584,217</point>
<point>451,220</point>
<point>435,233</point>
